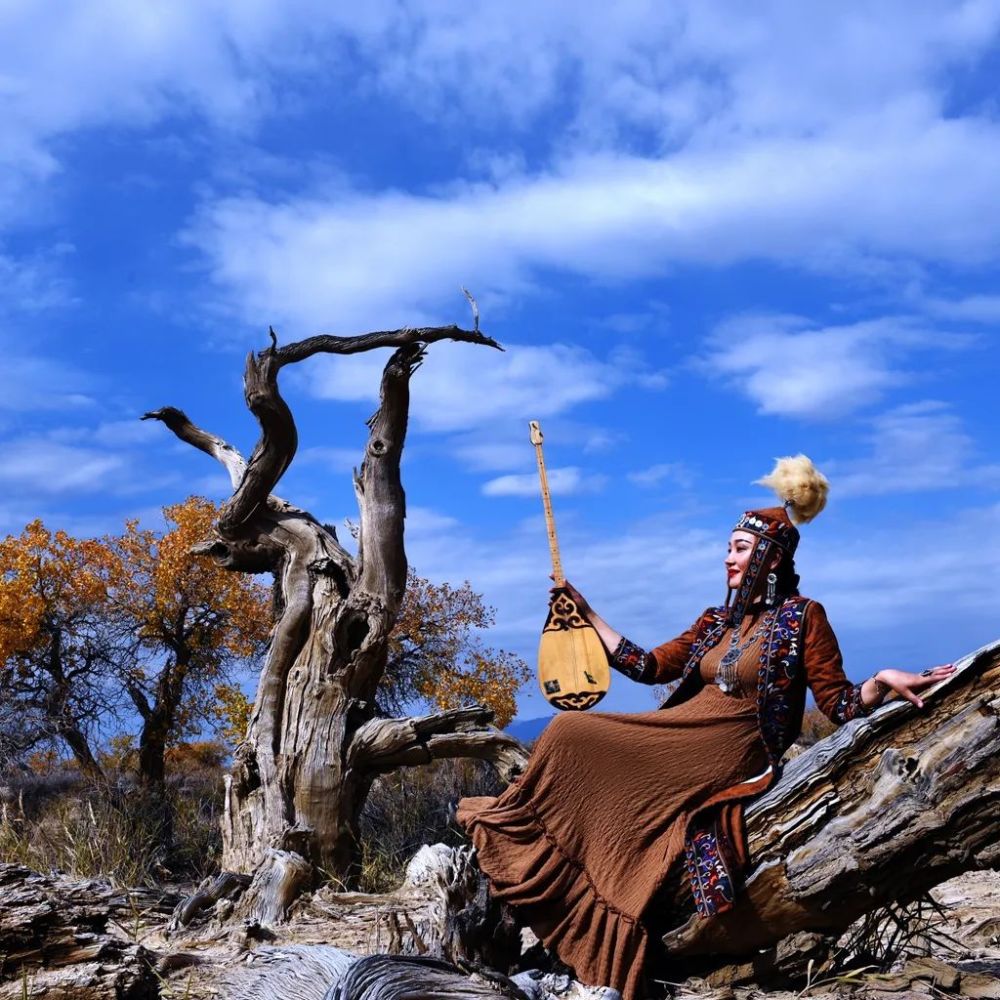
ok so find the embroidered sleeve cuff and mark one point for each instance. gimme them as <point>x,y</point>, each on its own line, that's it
<point>633,661</point>
<point>850,706</point>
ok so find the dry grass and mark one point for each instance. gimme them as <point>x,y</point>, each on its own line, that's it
<point>60,822</point>
<point>411,807</point>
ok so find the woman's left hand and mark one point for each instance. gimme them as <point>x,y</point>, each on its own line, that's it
<point>906,685</point>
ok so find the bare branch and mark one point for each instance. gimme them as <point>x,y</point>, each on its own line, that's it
<point>275,449</point>
<point>381,745</point>
<point>177,421</point>
<point>328,344</point>
<point>474,305</point>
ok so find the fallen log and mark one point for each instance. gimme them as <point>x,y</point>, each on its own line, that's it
<point>74,940</point>
<point>879,812</point>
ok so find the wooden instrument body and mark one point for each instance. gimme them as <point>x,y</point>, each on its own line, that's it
<point>573,670</point>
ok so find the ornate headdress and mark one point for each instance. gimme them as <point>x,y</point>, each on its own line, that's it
<point>803,489</point>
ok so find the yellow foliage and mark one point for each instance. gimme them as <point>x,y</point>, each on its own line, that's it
<point>48,577</point>
<point>139,606</point>
<point>199,755</point>
<point>231,711</point>
<point>435,652</point>
<point>170,593</point>
<point>120,754</point>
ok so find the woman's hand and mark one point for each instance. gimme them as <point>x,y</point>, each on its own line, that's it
<point>906,684</point>
<point>578,599</point>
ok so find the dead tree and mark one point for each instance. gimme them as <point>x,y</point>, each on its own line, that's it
<point>314,744</point>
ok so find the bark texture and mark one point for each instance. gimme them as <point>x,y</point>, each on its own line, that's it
<point>69,940</point>
<point>314,744</point>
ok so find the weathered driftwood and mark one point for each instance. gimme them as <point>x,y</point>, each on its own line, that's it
<point>315,742</point>
<point>74,940</point>
<point>879,812</point>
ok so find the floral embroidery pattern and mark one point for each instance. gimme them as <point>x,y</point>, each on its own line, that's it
<point>777,690</point>
<point>849,706</point>
<point>711,883</point>
<point>632,660</point>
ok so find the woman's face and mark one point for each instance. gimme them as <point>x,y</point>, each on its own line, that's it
<point>741,546</point>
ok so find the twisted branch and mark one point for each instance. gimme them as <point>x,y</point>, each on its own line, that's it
<point>177,421</point>
<point>325,343</point>
<point>382,745</point>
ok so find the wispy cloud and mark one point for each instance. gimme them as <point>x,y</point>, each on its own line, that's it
<point>38,382</point>
<point>45,466</point>
<point>330,459</point>
<point>461,386</point>
<point>676,473</point>
<point>565,480</point>
<point>791,367</point>
<point>918,447</point>
<point>970,308</point>
<point>314,262</point>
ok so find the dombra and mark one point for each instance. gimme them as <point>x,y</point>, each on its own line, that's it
<point>573,670</point>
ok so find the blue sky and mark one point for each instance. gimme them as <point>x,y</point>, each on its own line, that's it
<point>707,233</point>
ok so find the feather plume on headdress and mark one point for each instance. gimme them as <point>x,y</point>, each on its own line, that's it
<point>799,485</point>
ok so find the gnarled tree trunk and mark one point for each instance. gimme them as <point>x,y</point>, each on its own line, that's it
<point>314,744</point>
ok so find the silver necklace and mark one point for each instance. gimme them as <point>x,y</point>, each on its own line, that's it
<point>727,676</point>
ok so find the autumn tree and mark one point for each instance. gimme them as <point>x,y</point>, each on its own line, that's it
<point>132,626</point>
<point>436,654</point>
<point>188,621</point>
<point>316,739</point>
<point>54,651</point>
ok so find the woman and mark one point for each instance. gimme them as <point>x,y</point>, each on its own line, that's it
<point>610,802</point>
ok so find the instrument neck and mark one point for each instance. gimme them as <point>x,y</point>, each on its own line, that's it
<point>550,523</point>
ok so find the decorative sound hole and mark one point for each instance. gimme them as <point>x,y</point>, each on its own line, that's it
<point>577,702</point>
<point>564,614</point>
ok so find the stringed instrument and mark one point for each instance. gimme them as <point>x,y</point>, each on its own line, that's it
<point>573,669</point>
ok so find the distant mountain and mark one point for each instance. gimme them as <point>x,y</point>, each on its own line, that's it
<point>528,730</point>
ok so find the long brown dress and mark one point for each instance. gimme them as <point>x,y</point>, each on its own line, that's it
<point>582,840</point>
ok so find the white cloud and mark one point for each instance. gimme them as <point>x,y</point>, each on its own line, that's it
<point>790,367</point>
<point>34,283</point>
<point>562,481</point>
<point>34,381</point>
<point>491,454</point>
<point>676,473</point>
<point>970,309</point>
<point>461,385</point>
<point>331,459</point>
<point>755,143</point>
<point>110,433</point>
<point>915,591</point>
<point>921,190</point>
<point>46,466</point>
<point>919,447</point>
